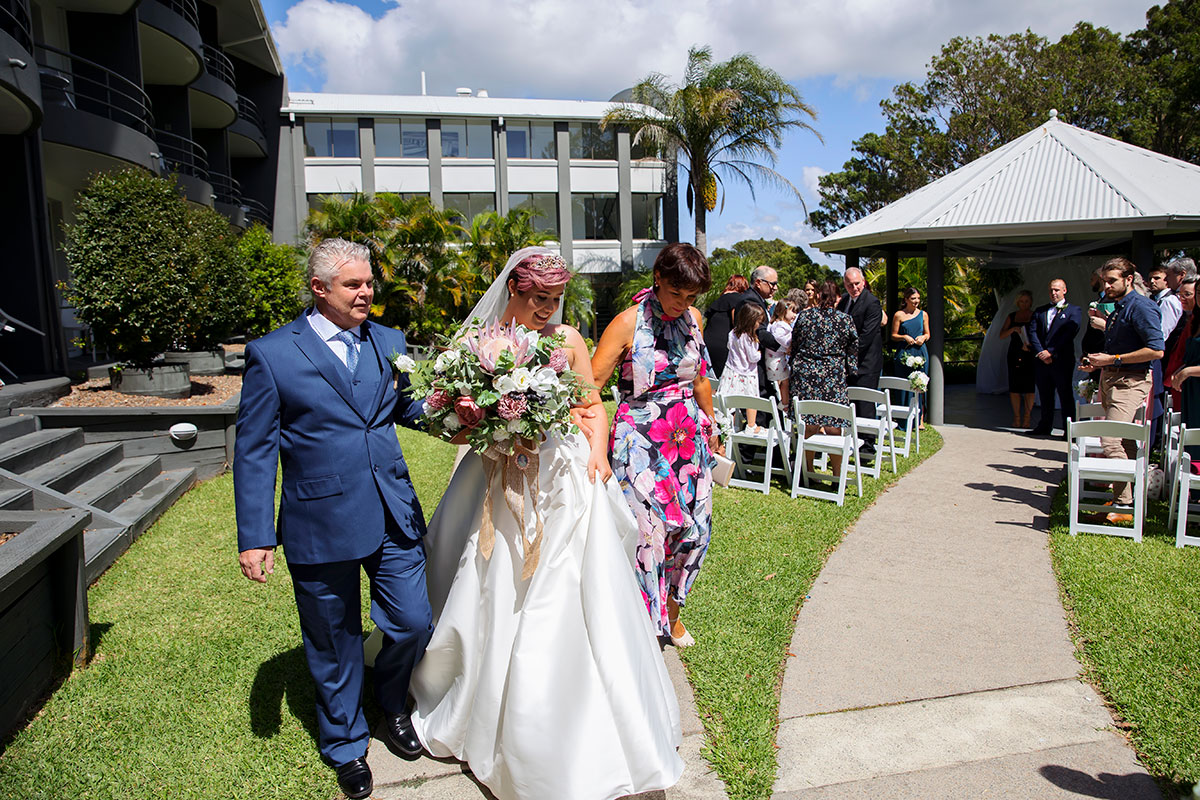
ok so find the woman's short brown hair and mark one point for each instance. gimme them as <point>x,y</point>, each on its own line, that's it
<point>736,283</point>
<point>684,267</point>
<point>827,294</point>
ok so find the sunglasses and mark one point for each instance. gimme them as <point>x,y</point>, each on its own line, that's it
<point>772,284</point>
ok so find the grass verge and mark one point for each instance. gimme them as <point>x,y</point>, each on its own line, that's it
<point>1135,617</point>
<point>766,551</point>
<point>198,686</point>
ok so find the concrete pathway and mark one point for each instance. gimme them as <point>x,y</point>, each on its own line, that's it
<point>446,779</point>
<point>932,658</point>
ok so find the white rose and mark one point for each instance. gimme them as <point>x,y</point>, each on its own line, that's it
<point>403,363</point>
<point>504,384</point>
<point>451,423</point>
<point>544,379</point>
<point>445,360</point>
<point>513,426</point>
<point>522,379</point>
<point>501,435</point>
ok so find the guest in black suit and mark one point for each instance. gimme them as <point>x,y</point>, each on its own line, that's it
<point>763,282</point>
<point>864,309</point>
<point>1052,338</point>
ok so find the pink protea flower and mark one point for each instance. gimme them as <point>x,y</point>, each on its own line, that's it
<point>676,433</point>
<point>559,361</point>
<point>437,400</point>
<point>512,406</point>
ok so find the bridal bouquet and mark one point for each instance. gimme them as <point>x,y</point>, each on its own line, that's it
<point>913,361</point>
<point>1086,389</point>
<point>918,381</point>
<point>501,383</point>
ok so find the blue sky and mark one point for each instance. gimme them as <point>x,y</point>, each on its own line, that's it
<point>844,58</point>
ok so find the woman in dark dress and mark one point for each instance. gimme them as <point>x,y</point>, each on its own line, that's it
<point>1020,360</point>
<point>718,321</point>
<point>824,352</point>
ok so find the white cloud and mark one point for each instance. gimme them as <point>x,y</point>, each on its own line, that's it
<point>812,176</point>
<point>561,48</point>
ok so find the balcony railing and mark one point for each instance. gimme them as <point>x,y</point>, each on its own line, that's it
<point>219,66</point>
<point>182,155</point>
<point>248,111</point>
<point>74,82</point>
<point>15,21</point>
<point>256,211</point>
<point>225,189</point>
<point>184,8</point>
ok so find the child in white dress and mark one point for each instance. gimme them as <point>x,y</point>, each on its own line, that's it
<point>741,366</point>
<point>782,317</point>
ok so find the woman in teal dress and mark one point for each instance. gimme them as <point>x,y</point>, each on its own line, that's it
<point>910,329</point>
<point>662,438</point>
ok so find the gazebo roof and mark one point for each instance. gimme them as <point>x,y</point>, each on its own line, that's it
<point>1057,181</point>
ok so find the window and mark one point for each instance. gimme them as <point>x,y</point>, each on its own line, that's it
<point>647,216</point>
<point>588,141</point>
<point>594,216</point>
<point>466,139</point>
<point>316,202</point>
<point>530,139</point>
<point>400,138</point>
<point>324,137</point>
<point>469,205</point>
<point>544,205</point>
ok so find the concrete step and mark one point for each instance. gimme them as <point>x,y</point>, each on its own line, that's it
<point>143,508</point>
<point>113,486</point>
<point>16,499</point>
<point>101,547</point>
<point>73,468</point>
<point>12,427</point>
<point>33,449</point>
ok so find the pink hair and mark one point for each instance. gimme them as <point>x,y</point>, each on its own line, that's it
<point>540,271</point>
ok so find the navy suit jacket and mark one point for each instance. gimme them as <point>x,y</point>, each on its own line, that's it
<point>1059,338</point>
<point>343,472</point>
<point>866,313</point>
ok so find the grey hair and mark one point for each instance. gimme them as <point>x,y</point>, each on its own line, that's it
<point>328,257</point>
<point>1182,266</point>
<point>1190,280</point>
<point>848,270</point>
<point>760,273</point>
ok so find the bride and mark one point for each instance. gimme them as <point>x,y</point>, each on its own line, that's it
<point>552,687</point>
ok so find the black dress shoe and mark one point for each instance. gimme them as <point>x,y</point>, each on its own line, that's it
<point>354,778</point>
<point>399,736</point>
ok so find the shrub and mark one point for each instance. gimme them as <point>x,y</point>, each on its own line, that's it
<point>276,293</point>
<point>216,280</point>
<point>128,253</point>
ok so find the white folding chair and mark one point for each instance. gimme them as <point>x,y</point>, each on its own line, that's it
<point>1181,488</point>
<point>844,444</point>
<point>616,395</point>
<point>904,415</point>
<point>880,426</point>
<point>715,383</point>
<point>741,439</point>
<point>1083,468</point>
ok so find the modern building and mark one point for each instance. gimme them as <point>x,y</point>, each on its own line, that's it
<point>183,87</point>
<point>610,209</point>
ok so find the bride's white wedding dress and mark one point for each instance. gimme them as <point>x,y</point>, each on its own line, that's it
<point>551,688</point>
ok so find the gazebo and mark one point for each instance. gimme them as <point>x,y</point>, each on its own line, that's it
<point>1057,191</point>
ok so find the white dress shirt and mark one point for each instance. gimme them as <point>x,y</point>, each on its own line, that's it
<point>328,333</point>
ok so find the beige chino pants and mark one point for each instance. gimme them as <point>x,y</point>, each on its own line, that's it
<point>1122,394</point>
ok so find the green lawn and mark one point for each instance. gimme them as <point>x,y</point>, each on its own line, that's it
<point>198,687</point>
<point>1135,612</point>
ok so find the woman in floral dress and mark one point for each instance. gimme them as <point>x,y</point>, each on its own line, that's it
<point>662,437</point>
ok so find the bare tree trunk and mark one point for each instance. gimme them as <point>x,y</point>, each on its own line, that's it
<point>701,220</point>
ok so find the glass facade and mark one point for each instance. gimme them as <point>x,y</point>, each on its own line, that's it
<point>647,216</point>
<point>530,139</point>
<point>588,141</point>
<point>543,204</point>
<point>330,137</point>
<point>469,205</point>
<point>466,138</point>
<point>594,216</point>
<point>400,138</point>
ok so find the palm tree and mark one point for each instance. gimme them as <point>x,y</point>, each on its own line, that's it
<point>725,120</point>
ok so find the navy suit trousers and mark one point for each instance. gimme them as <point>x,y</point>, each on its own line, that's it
<point>1054,380</point>
<point>328,599</point>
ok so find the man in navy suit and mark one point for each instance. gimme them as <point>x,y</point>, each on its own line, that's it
<point>320,399</point>
<point>1052,333</point>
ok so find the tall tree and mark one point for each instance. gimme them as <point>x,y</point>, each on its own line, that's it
<point>726,121</point>
<point>1166,51</point>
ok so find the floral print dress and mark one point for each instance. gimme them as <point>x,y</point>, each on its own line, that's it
<point>659,453</point>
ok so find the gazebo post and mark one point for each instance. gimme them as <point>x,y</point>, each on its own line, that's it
<point>935,307</point>
<point>1143,251</point>
<point>852,259</point>
<point>892,302</point>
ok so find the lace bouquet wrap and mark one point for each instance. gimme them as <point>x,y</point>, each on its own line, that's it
<point>509,388</point>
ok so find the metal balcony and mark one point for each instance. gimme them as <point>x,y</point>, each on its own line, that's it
<point>219,66</point>
<point>72,82</point>
<point>15,21</point>
<point>182,155</point>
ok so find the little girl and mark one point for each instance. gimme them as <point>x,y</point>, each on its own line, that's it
<point>782,317</point>
<point>741,367</point>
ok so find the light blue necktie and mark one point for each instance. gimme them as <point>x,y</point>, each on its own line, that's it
<point>351,341</point>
